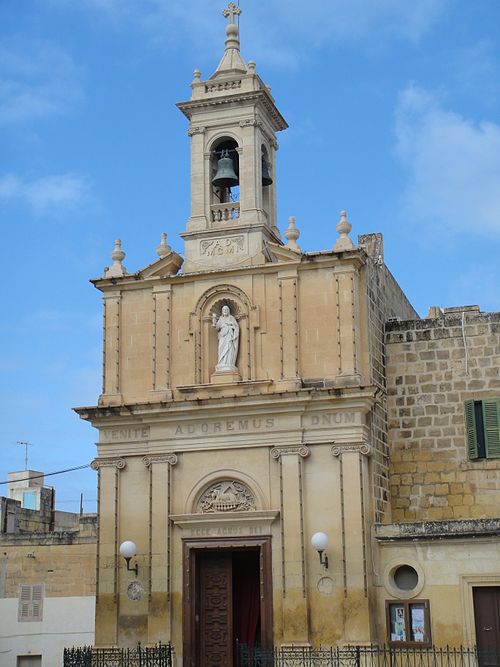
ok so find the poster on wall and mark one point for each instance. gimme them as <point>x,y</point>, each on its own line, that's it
<point>417,623</point>
<point>398,624</point>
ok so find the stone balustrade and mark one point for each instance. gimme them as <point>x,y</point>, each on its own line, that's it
<point>230,211</point>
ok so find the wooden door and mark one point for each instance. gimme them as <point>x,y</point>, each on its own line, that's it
<point>215,610</point>
<point>487,619</point>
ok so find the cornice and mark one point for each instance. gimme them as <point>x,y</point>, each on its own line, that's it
<point>355,398</point>
<point>327,258</point>
<point>261,96</point>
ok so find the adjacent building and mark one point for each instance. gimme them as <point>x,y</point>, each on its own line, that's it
<point>47,575</point>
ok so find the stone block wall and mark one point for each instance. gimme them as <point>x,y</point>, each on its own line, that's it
<point>385,299</point>
<point>433,366</point>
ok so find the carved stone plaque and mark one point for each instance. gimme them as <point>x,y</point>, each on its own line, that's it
<point>135,591</point>
<point>227,496</point>
<point>231,245</point>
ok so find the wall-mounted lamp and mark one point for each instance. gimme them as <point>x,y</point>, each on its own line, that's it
<point>128,550</point>
<point>320,542</point>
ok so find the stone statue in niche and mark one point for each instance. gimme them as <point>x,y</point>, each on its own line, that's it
<point>228,496</point>
<point>228,332</point>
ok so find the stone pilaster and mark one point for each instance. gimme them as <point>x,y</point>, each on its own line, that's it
<point>162,306</point>
<point>346,280</point>
<point>295,614</point>
<point>354,488</point>
<point>199,197</point>
<point>111,349</point>
<point>108,471</point>
<point>160,546</point>
<point>289,333</point>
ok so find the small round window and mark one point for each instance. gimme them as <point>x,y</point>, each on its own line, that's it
<point>405,577</point>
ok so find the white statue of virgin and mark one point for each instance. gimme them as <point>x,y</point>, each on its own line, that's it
<point>228,332</point>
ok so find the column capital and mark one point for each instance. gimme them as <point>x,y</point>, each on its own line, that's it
<point>301,450</point>
<point>170,458</point>
<point>118,463</point>
<point>197,129</point>
<point>361,447</point>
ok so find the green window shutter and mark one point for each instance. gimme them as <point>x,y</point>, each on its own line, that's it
<point>470,430</point>
<point>491,417</point>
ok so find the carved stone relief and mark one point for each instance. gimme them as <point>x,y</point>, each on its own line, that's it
<point>226,496</point>
<point>232,245</point>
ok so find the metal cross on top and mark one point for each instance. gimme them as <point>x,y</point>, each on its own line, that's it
<point>231,11</point>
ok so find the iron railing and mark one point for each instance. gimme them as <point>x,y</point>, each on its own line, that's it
<point>139,656</point>
<point>366,656</point>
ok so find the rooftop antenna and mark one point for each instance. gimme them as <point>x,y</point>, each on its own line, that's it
<point>25,444</point>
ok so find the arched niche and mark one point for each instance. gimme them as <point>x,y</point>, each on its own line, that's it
<point>205,335</point>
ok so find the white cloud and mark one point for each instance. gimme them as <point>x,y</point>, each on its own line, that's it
<point>281,33</point>
<point>453,165</point>
<point>37,79</point>
<point>48,194</point>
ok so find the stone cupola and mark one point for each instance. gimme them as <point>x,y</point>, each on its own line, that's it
<point>231,115</point>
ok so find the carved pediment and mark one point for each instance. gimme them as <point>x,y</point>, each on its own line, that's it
<point>283,254</point>
<point>226,496</point>
<point>165,266</point>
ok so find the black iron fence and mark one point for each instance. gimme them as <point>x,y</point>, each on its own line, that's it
<point>139,656</point>
<point>366,656</point>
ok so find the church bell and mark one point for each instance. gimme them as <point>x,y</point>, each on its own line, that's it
<point>225,176</point>
<point>266,175</point>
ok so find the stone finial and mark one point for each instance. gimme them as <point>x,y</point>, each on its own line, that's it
<point>163,249</point>
<point>196,76</point>
<point>292,234</point>
<point>343,228</point>
<point>231,11</point>
<point>251,66</point>
<point>232,30</point>
<point>117,270</point>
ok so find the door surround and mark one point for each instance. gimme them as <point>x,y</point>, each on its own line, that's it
<point>467,583</point>
<point>191,548</point>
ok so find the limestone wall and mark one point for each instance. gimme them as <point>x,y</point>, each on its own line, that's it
<point>299,320</point>
<point>64,562</point>
<point>430,374</point>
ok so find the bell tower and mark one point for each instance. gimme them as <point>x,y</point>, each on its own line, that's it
<point>233,122</point>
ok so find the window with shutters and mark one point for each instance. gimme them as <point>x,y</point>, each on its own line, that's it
<point>30,602</point>
<point>482,428</point>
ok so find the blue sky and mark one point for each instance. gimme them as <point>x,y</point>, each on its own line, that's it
<point>394,114</point>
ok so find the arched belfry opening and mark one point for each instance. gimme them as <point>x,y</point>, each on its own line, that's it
<point>225,180</point>
<point>266,180</point>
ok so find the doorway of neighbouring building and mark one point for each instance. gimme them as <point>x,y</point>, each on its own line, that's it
<point>29,661</point>
<point>487,621</point>
<point>229,602</point>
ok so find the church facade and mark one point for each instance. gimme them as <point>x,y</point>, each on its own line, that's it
<point>244,409</point>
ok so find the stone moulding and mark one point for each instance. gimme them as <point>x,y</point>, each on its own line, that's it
<point>362,448</point>
<point>161,458</point>
<point>278,452</point>
<point>101,463</point>
<point>435,530</point>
